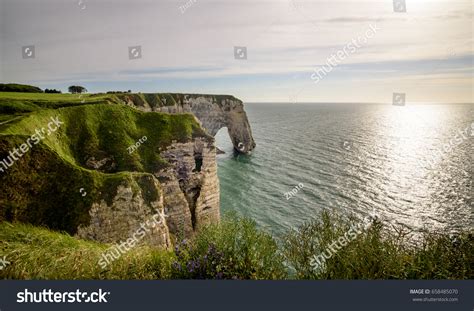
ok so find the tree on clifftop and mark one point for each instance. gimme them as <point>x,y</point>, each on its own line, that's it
<point>74,89</point>
<point>52,91</point>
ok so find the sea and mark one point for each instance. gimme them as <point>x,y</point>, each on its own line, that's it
<point>409,165</point>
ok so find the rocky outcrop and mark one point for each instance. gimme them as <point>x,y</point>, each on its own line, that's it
<point>190,186</point>
<point>213,111</point>
<point>129,213</point>
<point>188,198</point>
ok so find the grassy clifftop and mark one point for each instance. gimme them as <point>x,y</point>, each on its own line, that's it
<point>107,130</point>
<point>236,249</point>
<point>88,151</point>
<point>38,253</point>
<point>14,102</point>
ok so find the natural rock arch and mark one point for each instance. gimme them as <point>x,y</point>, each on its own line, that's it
<point>228,113</point>
<point>213,111</point>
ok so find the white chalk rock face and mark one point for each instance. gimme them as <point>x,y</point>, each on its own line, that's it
<point>213,112</point>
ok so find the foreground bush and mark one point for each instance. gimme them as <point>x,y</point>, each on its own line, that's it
<point>376,252</point>
<point>234,249</point>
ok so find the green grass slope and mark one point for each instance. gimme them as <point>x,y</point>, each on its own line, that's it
<point>38,253</point>
<point>16,104</point>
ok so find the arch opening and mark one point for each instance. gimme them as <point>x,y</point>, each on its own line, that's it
<point>223,141</point>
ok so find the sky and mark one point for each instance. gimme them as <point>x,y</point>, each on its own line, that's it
<point>188,46</point>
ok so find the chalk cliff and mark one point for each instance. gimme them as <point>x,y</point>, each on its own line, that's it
<point>186,192</point>
<point>83,179</point>
<point>213,111</point>
<point>190,185</point>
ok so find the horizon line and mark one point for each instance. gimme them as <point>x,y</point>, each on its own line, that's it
<point>365,103</point>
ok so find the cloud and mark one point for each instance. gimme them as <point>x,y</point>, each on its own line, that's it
<point>195,49</point>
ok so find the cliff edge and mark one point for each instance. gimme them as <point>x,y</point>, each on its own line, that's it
<point>213,111</point>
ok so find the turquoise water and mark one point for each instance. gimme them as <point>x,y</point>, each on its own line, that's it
<point>391,160</point>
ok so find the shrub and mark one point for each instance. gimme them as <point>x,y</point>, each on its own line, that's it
<point>234,249</point>
<point>74,89</point>
<point>52,91</point>
<point>443,256</point>
<point>377,252</point>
